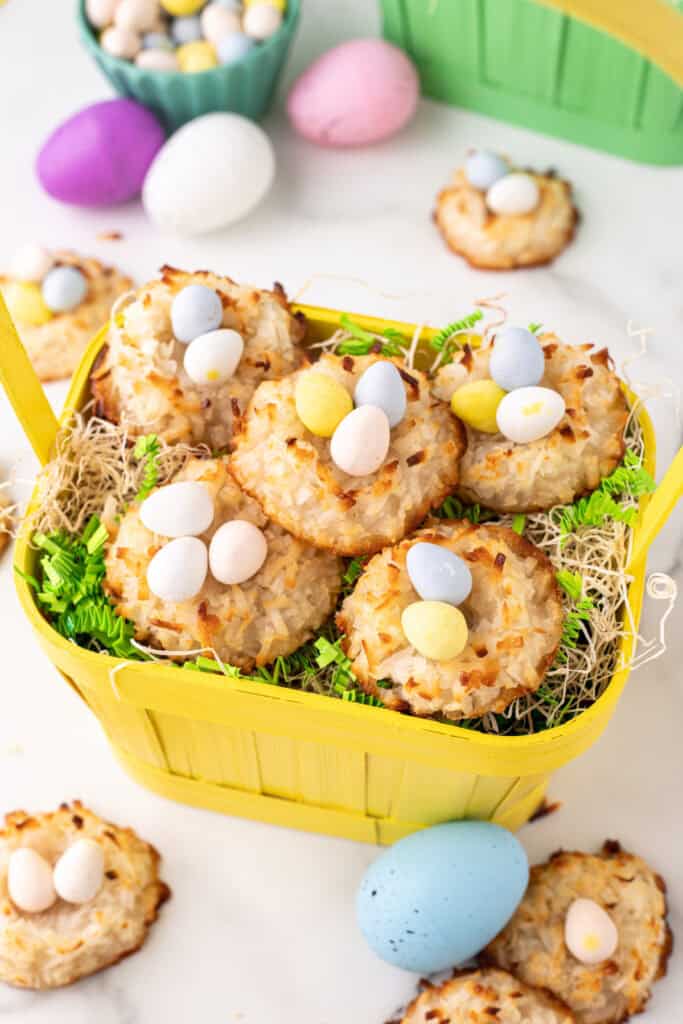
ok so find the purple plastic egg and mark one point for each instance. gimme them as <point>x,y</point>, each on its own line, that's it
<point>100,156</point>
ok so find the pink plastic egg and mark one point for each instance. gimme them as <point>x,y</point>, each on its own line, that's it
<point>355,94</point>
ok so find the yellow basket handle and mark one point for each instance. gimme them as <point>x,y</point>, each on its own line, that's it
<point>24,390</point>
<point>658,509</point>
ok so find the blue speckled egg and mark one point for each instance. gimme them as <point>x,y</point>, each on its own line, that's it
<point>517,359</point>
<point>64,288</point>
<point>482,169</point>
<point>195,310</point>
<point>437,897</point>
<point>438,574</point>
<point>186,30</point>
<point>381,385</point>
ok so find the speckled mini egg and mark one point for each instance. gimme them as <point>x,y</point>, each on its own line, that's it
<point>528,414</point>
<point>381,385</point>
<point>29,881</point>
<point>321,402</point>
<point>64,288</point>
<point>437,897</point>
<point>360,443</point>
<point>195,310</point>
<point>437,631</point>
<point>514,195</point>
<point>517,359</point>
<point>212,358</point>
<point>79,872</point>
<point>177,571</point>
<point>483,169</point>
<point>590,934</point>
<point>438,574</point>
<point>181,509</point>
<point>237,551</point>
<point>476,404</point>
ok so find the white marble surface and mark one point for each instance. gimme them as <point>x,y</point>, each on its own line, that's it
<point>261,925</point>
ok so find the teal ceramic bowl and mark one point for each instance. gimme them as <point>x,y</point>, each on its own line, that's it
<point>245,87</point>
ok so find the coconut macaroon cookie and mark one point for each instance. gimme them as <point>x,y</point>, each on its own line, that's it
<point>584,445</point>
<point>76,894</point>
<point>295,474</point>
<point>179,584</point>
<point>592,929</point>
<point>58,301</point>
<point>512,615</point>
<point>185,369</point>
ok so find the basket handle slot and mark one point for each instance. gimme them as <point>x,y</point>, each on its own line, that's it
<point>658,509</point>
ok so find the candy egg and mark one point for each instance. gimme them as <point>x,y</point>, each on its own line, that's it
<point>178,570</point>
<point>514,195</point>
<point>230,5</point>
<point>590,934</point>
<point>157,41</point>
<point>213,358</point>
<point>100,13</point>
<point>186,30</point>
<point>196,310</point>
<point>26,304</point>
<point>438,574</point>
<point>233,47</point>
<point>120,42</point>
<point>195,57</point>
<point>218,21</point>
<point>31,262</point>
<point>382,385</point>
<point>476,404</point>
<point>261,20</point>
<point>529,413</point>
<point>64,288</point>
<point>237,551</point>
<point>79,872</point>
<point>29,881</point>
<point>136,15</point>
<point>180,8</point>
<point>321,402</point>
<point>281,4</point>
<point>517,359</point>
<point>435,629</point>
<point>360,443</point>
<point>483,169</point>
<point>157,60</point>
<point>182,509</point>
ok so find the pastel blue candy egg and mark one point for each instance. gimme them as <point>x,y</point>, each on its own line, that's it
<point>186,30</point>
<point>233,47</point>
<point>64,288</point>
<point>517,359</point>
<point>231,5</point>
<point>156,41</point>
<point>381,385</point>
<point>194,311</point>
<point>482,169</point>
<point>437,574</point>
<point>438,897</point>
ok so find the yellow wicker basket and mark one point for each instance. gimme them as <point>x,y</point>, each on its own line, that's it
<point>299,759</point>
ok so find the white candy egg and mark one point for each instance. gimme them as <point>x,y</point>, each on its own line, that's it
<point>136,15</point>
<point>100,12</point>
<point>157,60</point>
<point>29,881</point>
<point>590,934</point>
<point>218,21</point>
<point>360,443</point>
<point>237,551</point>
<point>79,872</point>
<point>527,414</point>
<point>513,195</point>
<point>183,509</point>
<point>120,42</point>
<point>31,263</point>
<point>212,358</point>
<point>261,20</point>
<point>178,570</point>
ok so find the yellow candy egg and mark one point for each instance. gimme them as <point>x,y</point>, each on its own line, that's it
<point>280,4</point>
<point>25,303</point>
<point>476,404</point>
<point>321,402</point>
<point>435,629</point>
<point>181,8</point>
<point>198,56</point>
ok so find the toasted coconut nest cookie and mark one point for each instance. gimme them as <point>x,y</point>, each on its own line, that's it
<point>513,613</point>
<point>246,624</point>
<point>586,445</point>
<point>483,996</point>
<point>69,941</point>
<point>492,241</point>
<point>291,473</point>
<point>532,945</point>
<point>140,380</point>
<point>55,348</point>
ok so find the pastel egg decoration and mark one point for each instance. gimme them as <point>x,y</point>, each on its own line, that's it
<point>218,21</point>
<point>29,881</point>
<point>483,169</point>
<point>181,509</point>
<point>262,20</point>
<point>590,934</point>
<point>100,13</point>
<point>186,30</point>
<point>436,630</point>
<point>357,93</point>
<point>438,574</point>
<point>196,57</point>
<point>514,195</point>
<point>157,41</point>
<point>79,872</point>
<point>157,60</point>
<point>360,443</point>
<point>177,571</point>
<point>181,8</point>
<point>120,42</point>
<point>237,551</point>
<point>436,898</point>
<point>528,414</point>
<point>517,359</point>
<point>136,15</point>
<point>233,47</point>
<point>212,358</point>
<point>476,404</point>
<point>321,402</point>
<point>238,166</point>
<point>31,262</point>
<point>64,288</point>
<point>100,156</point>
<point>381,385</point>
<point>195,310</point>
<point>26,304</point>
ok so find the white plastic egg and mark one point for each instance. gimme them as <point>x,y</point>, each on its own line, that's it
<point>513,195</point>
<point>237,551</point>
<point>217,21</point>
<point>590,934</point>
<point>182,509</point>
<point>136,15</point>
<point>213,358</point>
<point>528,414</point>
<point>178,570</point>
<point>120,42</point>
<point>31,262</point>
<point>100,12</point>
<point>79,872</point>
<point>29,881</point>
<point>157,60</point>
<point>360,443</point>
<point>261,20</point>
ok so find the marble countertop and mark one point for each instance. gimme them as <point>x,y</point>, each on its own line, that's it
<point>261,924</point>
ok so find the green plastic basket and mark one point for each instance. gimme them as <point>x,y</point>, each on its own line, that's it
<point>245,87</point>
<point>595,76</point>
